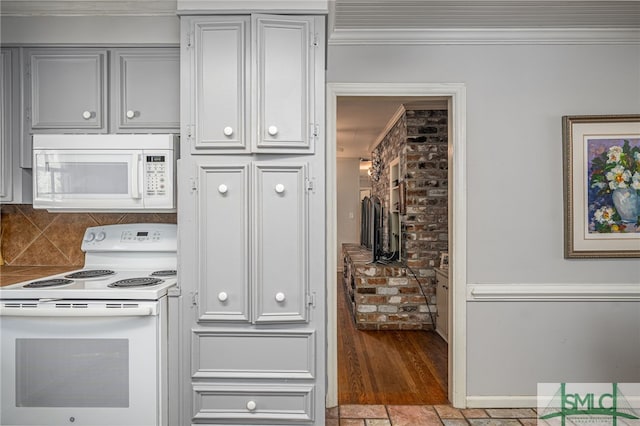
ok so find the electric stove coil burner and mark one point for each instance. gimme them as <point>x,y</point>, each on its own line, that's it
<point>136,282</point>
<point>90,273</point>
<point>165,273</point>
<point>52,282</point>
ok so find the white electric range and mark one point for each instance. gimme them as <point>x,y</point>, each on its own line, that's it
<point>89,347</point>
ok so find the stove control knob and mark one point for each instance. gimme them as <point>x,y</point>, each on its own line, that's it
<point>89,237</point>
<point>101,236</point>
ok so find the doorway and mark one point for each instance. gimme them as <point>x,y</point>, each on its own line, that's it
<point>455,93</point>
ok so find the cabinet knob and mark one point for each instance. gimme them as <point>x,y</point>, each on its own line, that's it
<point>280,297</point>
<point>251,405</point>
<point>279,188</point>
<point>223,296</point>
<point>222,188</point>
<point>228,131</point>
<point>272,130</point>
<point>131,114</point>
<point>87,115</point>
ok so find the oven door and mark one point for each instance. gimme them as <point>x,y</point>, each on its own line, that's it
<point>88,179</point>
<point>82,366</point>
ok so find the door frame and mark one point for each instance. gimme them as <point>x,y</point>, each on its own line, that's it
<point>457,196</point>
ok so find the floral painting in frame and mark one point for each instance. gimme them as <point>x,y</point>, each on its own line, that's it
<point>602,186</point>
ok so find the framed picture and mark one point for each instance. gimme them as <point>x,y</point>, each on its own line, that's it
<point>601,185</point>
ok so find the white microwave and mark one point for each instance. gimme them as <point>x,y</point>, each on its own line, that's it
<point>114,173</point>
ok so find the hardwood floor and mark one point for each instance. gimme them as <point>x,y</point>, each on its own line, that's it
<point>388,367</point>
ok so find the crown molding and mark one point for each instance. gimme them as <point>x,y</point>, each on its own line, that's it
<point>515,36</point>
<point>87,8</point>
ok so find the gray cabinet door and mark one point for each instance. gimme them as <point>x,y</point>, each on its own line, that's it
<point>145,90</point>
<point>67,90</point>
<point>253,83</point>
<point>283,68</point>
<point>216,85</point>
<point>223,249</point>
<point>6,192</point>
<point>280,242</point>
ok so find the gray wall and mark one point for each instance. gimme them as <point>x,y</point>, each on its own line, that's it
<point>347,203</point>
<point>516,96</point>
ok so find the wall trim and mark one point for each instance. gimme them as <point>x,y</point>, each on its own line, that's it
<point>553,292</point>
<point>485,36</point>
<point>519,401</point>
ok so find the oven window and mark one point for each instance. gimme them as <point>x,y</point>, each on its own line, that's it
<point>72,373</point>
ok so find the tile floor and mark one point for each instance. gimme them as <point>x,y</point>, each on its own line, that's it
<point>427,415</point>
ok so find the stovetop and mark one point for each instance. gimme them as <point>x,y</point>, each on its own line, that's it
<point>122,262</point>
<point>117,285</point>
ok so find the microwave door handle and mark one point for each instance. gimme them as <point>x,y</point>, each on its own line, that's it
<point>135,176</point>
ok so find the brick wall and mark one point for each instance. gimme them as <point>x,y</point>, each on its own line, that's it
<point>420,139</point>
<point>383,296</point>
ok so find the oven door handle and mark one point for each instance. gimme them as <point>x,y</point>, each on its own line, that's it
<point>141,311</point>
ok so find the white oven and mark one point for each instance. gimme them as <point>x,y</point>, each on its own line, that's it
<point>104,172</point>
<point>83,363</point>
<point>90,347</point>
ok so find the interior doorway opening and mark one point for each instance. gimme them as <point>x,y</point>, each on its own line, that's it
<point>455,97</point>
<point>392,226</point>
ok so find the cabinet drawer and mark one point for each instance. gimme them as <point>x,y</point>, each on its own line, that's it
<point>253,404</point>
<point>253,354</point>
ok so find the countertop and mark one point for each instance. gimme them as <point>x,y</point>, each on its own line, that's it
<point>15,274</point>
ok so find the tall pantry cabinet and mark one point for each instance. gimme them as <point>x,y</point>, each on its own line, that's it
<point>251,217</point>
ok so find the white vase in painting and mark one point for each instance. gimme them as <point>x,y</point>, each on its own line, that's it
<point>626,202</point>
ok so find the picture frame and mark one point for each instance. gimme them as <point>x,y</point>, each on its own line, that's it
<point>601,172</point>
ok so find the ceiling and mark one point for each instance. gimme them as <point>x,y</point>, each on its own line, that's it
<point>362,120</point>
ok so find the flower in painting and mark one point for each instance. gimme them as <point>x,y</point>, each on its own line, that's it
<point>613,156</point>
<point>614,168</point>
<point>604,215</point>
<point>618,177</point>
<point>635,181</point>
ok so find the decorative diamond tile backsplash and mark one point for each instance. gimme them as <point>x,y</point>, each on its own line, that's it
<point>39,238</point>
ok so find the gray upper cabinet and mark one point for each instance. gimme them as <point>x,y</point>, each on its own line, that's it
<point>217,83</point>
<point>284,68</point>
<point>6,190</point>
<point>145,90</point>
<point>67,90</point>
<point>91,90</point>
<point>15,182</point>
<point>253,83</point>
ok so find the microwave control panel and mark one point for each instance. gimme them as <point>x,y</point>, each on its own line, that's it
<point>156,171</point>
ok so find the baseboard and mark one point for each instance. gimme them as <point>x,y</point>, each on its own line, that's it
<point>516,401</point>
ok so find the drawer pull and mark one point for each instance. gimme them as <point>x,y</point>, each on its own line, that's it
<point>251,405</point>
<point>280,297</point>
<point>272,130</point>
<point>131,114</point>
<point>228,131</point>
<point>222,188</point>
<point>87,115</point>
<point>223,296</point>
<point>279,188</point>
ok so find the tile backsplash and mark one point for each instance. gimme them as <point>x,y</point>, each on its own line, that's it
<point>33,237</point>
